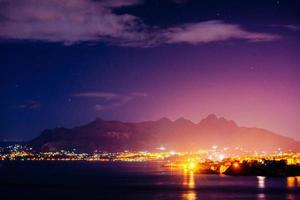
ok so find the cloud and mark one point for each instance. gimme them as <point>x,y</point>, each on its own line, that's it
<point>139,94</point>
<point>199,33</point>
<point>212,31</point>
<point>75,21</point>
<point>104,95</point>
<point>113,99</point>
<point>291,27</point>
<point>67,21</point>
<point>29,104</point>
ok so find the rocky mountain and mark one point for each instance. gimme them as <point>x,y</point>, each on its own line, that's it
<point>181,134</point>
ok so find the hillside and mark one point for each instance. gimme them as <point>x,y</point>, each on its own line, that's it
<point>181,134</point>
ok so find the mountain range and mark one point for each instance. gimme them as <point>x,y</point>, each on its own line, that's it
<point>181,134</point>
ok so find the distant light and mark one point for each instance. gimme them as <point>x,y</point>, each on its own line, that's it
<point>214,146</point>
<point>172,152</point>
<point>236,165</point>
<point>221,157</point>
<point>191,165</point>
<point>162,148</point>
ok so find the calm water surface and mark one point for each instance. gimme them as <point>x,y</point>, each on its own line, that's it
<point>97,180</point>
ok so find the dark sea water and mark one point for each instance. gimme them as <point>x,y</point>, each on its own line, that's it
<point>97,180</point>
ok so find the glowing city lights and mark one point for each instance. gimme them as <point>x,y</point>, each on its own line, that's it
<point>236,165</point>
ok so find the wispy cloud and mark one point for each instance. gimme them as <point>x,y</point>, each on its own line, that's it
<point>212,31</point>
<point>29,104</point>
<point>105,95</point>
<point>291,27</point>
<point>113,99</point>
<point>74,21</point>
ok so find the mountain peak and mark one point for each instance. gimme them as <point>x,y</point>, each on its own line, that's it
<point>212,116</point>
<point>182,120</point>
<point>164,119</point>
<point>213,121</point>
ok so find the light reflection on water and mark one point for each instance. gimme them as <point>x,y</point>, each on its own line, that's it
<point>191,194</point>
<point>189,182</point>
<point>261,182</point>
<point>290,183</point>
<point>141,181</point>
<point>293,182</point>
<point>261,196</point>
<point>261,185</point>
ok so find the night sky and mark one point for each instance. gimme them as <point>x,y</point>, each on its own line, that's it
<point>66,62</point>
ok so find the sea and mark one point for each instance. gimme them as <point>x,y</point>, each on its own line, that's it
<point>85,180</point>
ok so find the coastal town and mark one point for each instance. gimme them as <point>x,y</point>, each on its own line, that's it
<point>216,160</point>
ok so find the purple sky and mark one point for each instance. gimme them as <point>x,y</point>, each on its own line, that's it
<point>65,62</point>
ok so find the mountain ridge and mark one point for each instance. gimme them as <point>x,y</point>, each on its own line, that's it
<point>180,134</point>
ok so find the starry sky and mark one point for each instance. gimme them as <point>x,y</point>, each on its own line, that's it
<point>66,62</point>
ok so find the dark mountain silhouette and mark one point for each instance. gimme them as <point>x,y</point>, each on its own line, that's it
<point>181,134</point>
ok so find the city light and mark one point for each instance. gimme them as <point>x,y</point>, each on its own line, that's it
<point>191,165</point>
<point>202,161</point>
<point>236,165</point>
